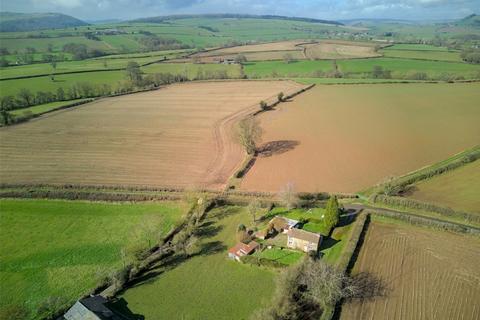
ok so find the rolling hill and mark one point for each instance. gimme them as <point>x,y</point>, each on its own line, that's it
<point>13,21</point>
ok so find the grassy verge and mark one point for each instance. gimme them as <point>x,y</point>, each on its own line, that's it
<point>44,108</point>
<point>63,249</point>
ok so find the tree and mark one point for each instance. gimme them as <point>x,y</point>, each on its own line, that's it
<point>253,208</point>
<point>134,74</point>
<point>240,58</point>
<point>280,97</point>
<point>6,104</point>
<point>264,106</point>
<point>377,72</point>
<point>241,233</point>
<point>149,228</point>
<point>288,58</point>
<point>288,196</point>
<point>26,96</point>
<point>60,94</point>
<point>332,212</point>
<point>248,134</point>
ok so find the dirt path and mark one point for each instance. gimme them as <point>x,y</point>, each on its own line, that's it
<point>228,155</point>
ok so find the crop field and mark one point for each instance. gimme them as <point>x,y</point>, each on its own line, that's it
<point>356,67</point>
<point>208,285</point>
<point>180,135</point>
<point>428,274</point>
<point>63,249</point>
<point>458,189</point>
<point>340,50</point>
<point>346,138</point>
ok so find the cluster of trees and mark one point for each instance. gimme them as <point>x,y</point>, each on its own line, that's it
<point>306,290</point>
<point>471,56</point>
<point>379,73</point>
<point>155,43</point>
<point>79,51</point>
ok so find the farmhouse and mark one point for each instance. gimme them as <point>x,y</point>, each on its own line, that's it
<point>242,249</point>
<point>303,240</point>
<point>91,308</point>
<point>282,224</point>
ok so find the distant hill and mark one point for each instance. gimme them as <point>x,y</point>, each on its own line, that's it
<point>161,19</point>
<point>13,21</point>
<point>472,20</point>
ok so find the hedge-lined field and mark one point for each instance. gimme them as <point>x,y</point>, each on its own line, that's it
<point>63,249</point>
<point>458,189</point>
<point>209,285</point>
<point>400,68</point>
<point>44,107</point>
<point>111,78</point>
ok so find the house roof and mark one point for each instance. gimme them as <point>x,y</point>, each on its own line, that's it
<point>242,249</point>
<point>304,235</point>
<point>283,223</point>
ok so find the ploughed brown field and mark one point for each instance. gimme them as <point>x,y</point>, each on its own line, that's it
<point>180,135</point>
<point>345,138</point>
<point>340,50</point>
<point>428,274</point>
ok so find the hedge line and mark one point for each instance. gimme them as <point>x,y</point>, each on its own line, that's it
<point>427,222</point>
<point>348,257</point>
<point>398,184</point>
<point>345,262</point>
<point>418,205</point>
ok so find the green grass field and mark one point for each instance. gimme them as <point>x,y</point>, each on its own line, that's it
<point>314,217</point>
<point>458,189</point>
<point>63,248</point>
<point>423,54</point>
<point>209,285</point>
<point>284,256</point>
<point>359,67</point>
<point>112,78</point>
<point>44,107</point>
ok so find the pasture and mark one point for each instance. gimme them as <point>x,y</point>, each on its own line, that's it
<point>346,138</point>
<point>209,285</point>
<point>63,249</point>
<point>400,68</point>
<point>458,189</point>
<point>428,274</point>
<point>44,107</point>
<point>180,135</point>
<point>112,78</point>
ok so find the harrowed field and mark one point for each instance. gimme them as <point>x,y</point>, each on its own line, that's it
<point>346,138</point>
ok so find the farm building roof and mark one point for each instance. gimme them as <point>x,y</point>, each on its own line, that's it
<point>283,223</point>
<point>242,249</point>
<point>90,308</point>
<point>304,235</point>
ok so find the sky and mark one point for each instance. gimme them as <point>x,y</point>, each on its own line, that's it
<point>321,9</point>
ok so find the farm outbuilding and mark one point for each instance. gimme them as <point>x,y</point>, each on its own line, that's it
<point>282,224</point>
<point>90,308</point>
<point>242,249</point>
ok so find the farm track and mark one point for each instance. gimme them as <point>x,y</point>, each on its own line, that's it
<point>223,131</point>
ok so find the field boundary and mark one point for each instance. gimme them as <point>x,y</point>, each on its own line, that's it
<point>407,203</point>
<point>397,185</point>
<point>249,160</point>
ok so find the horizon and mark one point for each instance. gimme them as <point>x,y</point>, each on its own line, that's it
<point>408,10</point>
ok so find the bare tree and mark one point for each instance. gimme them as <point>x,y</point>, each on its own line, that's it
<point>253,208</point>
<point>288,196</point>
<point>248,134</point>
